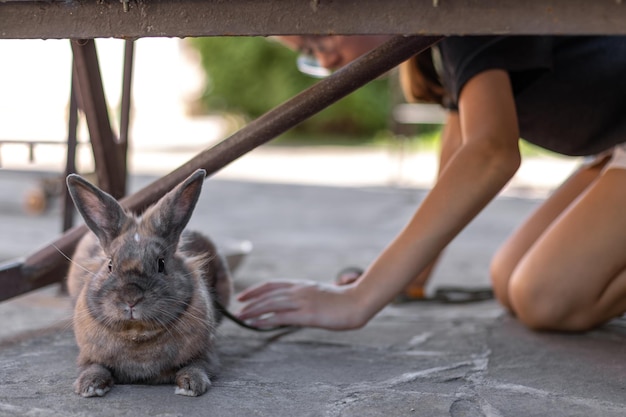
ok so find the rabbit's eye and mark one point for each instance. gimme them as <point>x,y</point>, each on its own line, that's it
<point>110,265</point>
<point>161,265</point>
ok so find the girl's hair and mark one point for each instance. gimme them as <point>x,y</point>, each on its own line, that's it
<point>419,80</point>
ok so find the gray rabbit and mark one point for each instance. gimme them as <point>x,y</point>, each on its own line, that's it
<point>144,292</point>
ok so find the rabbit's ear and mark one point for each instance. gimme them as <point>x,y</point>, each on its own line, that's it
<point>102,213</point>
<point>172,213</point>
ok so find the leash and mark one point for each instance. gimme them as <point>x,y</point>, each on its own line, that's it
<point>219,307</point>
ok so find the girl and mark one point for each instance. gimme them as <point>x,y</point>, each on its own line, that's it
<point>565,267</point>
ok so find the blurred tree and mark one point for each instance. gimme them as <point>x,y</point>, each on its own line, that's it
<point>251,75</point>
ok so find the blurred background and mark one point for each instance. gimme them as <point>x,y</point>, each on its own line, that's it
<point>188,94</point>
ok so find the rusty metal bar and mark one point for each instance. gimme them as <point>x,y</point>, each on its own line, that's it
<point>183,18</point>
<point>70,165</point>
<point>48,264</point>
<point>109,159</point>
<point>12,281</point>
<point>129,52</point>
<point>70,162</point>
<point>122,144</point>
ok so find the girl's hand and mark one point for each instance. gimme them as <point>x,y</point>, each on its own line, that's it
<point>302,303</point>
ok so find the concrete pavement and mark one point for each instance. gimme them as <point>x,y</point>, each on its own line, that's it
<point>422,359</point>
<point>308,213</point>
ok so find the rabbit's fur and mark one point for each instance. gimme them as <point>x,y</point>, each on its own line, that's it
<point>143,290</point>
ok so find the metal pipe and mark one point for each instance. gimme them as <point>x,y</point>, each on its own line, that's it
<point>109,165</point>
<point>129,50</point>
<point>70,163</point>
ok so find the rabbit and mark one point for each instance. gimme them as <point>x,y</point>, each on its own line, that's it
<point>143,291</point>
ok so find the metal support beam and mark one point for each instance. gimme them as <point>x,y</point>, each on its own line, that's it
<point>109,154</point>
<point>181,18</point>
<point>70,161</point>
<point>50,263</point>
<point>127,77</point>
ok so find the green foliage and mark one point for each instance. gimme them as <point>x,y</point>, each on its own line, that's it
<point>252,75</point>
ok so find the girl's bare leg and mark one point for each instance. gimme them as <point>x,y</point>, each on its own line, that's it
<point>513,250</point>
<point>572,276</point>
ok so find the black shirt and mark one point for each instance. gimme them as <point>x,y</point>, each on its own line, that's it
<point>570,92</point>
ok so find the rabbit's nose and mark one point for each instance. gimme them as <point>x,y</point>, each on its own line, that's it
<point>132,294</point>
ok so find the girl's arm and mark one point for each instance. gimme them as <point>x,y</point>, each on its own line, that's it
<point>486,160</point>
<point>451,141</point>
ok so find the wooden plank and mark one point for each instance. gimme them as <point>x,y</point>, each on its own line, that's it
<point>181,18</point>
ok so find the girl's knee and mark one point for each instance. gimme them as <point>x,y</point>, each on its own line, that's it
<point>529,305</point>
<point>540,308</point>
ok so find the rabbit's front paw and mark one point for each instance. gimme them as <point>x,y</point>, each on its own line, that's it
<point>94,381</point>
<point>192,382</point>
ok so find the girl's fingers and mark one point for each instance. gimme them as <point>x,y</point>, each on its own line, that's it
<point>274,302</point>
<point>279,319</point>
<point>259,290</point>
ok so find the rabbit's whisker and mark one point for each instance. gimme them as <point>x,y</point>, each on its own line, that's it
<point>72,261</point>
